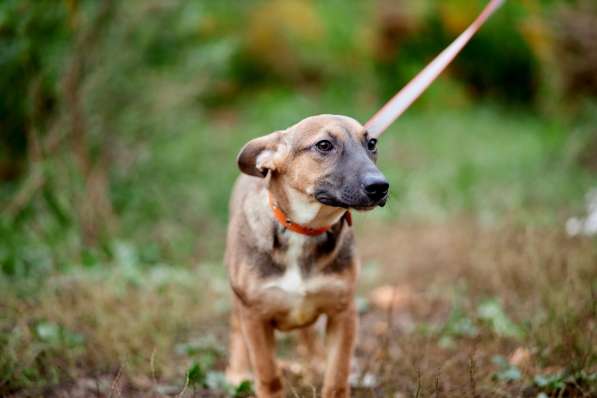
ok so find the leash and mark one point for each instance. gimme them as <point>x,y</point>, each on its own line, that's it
<point>405,97</point>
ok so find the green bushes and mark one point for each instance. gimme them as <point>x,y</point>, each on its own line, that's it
<point>34,39</point>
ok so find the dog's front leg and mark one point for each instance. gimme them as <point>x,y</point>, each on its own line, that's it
<point>239,367</point>
<point>340,337</point>
<point>259,336</point>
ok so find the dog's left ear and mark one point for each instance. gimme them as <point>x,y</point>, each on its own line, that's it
<point>258,156</point>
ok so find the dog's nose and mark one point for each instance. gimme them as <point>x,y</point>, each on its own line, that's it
<point>376,187</point>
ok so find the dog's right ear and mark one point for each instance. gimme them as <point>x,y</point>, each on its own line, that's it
<point>258,156</point>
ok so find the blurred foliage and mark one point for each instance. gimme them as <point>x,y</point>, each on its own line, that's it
<point>512,72</point>
<point>34,39</point>
<point>120,120</point>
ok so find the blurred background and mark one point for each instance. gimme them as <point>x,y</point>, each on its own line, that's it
<point>119,126</point>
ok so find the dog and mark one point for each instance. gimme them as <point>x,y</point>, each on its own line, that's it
<point>290,249</point>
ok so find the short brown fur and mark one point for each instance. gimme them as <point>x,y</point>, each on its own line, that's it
<point>283,280</point>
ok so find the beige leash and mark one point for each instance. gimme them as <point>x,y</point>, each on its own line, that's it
<point>405,97</point>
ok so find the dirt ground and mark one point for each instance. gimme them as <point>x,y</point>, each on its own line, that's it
<point>449,310</point>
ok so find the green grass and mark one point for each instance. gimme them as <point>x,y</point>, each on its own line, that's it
<point>484,161</point>
<point>169,187</point>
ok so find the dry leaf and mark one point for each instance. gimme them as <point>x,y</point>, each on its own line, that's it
<point>521,357</point>
<point>396,297</point>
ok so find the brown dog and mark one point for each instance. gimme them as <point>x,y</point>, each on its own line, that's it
<point>290,248</point>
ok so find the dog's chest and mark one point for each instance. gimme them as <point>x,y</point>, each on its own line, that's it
<point>301,290</point>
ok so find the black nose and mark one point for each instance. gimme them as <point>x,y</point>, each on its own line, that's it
<point>376,187</point>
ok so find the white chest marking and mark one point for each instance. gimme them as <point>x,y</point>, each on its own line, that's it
<point>292,281</point>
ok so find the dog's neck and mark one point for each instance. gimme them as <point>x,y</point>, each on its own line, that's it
<point>303,209</point>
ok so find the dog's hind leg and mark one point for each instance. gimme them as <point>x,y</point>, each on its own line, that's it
<point>239,366</point>
<point>312,353</point>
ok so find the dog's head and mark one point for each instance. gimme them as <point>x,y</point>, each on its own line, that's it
<point>327,157</point>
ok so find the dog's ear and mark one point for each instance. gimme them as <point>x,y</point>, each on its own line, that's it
<point>258,156</point>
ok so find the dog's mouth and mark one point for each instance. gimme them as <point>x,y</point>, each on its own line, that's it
<point>329,200</point>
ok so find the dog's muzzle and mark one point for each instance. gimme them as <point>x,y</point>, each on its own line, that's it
<point>372,192</point>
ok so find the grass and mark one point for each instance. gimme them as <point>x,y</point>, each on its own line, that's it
<point>169,187</point>
<point>485,161</point>
<point>485,293</point>
<point>472,239</point>
<point>469,299</point>
<point>92,323</point>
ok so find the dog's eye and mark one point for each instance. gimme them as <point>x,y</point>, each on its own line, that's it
<point>372,144</point>
<point>324,146</point>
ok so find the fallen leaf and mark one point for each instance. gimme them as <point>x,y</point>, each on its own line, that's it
<point>387,296</point>
<point>520,357</point>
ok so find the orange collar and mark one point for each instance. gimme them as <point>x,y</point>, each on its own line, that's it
<point>301,229</point>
